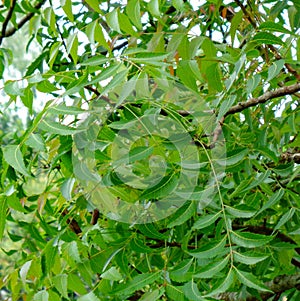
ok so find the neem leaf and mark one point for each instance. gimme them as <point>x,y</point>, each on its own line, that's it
<point>13,156</point>
<point>250,240</point>
<point>251,281</point>
<point>65,110</point>
<point>206,220</point>
<point>163,188</point>
<point>57,128</point>
<point>182,214</point>
<point>212,269</point>
<point>223,285</point>
<point>89,297</point>
<point>248,258</point>
<point>267,38</point>
<point>241,211</point>
<point>180,273</point>
<point>192,292</point>
<point>136,283</point>
<point>209,250</point>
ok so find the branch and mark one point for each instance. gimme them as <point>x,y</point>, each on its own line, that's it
<point>283,91</point>
<point>73,224</point>
<point>278,285</point>
<point>7,19</point>
<point>22,22</point>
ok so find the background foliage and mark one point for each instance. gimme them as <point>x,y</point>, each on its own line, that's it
<point>240,59</point>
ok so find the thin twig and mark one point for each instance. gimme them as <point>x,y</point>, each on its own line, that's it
<point>7,19</point>
<point>22,22</point>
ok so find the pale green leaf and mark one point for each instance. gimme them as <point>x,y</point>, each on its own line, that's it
<point>163,188</point>
<point>13,156</point>
<point>113,20</point>
<point>274,199</point>
<point>153,296</point>
<point>65,110</point>
<point>67,187</point>
<point>89,297</point>
<point>61,282</point>
<point>67,7</point>
<point>233,157</point>
<point>36,142</point>
<point>181,271</point>
<point>153,7</point>
<point>41,296</point>
<point>53,127</point>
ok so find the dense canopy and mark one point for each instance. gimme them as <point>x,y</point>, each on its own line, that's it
<point>150,150</point>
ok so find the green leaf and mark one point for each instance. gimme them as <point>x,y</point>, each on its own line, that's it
<point>150,230</point>
<point>133,11</point>
<point>181,271</point>
<point>251,281</point>
<point>61,283</point>
<point>112,274</point>
<point>36,142</point>
<point>94,4</point>
<point>76,284</point>
<point>184,213</point>
<point>153,7</point>
<point>67,187</point>
<point>175,292</point>
<point>210,250</point>
<point>139,246</point>
<point>248,257</point>
<point>206,220</point>
<point>250,240</point>
<point>272,26</point>
<point>241,211</point>
<point>72,46</point>
<point>225,105</point>
<point>233,157</point>
<point>192,292</point>
<point>27,98</point>
<point>96,60</point>
<point>212,269</point>
<point>163,188</point>
<point>267,38</point>
<point>153,296</point>
<point>57,128</point>
<point>89,297</point>
<point>223,285</point>
<point>3,209</point>
<point>235,23</point>
<point>275,69</point>
<point>67,7</point>
<point>214,78</point>
<point>72,251</point>
<point>113,21</point>
<point>65,110</point>
<point>285,218</point>
<point>136,283</point>
<point>14,158</point>
<point>274,199</point>
<point>41,296</point>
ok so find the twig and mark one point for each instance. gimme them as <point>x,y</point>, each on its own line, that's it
<point>7,19</point>
<point>22,22</point>
<point>283,91</point>
<point>95,217</point>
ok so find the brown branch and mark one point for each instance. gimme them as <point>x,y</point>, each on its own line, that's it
<point>73,224</point>
<point>283,91</point>
<point>7,19</point>
<point>246,13</point>
<point>95,217</point>
<point>278,285</point>
<point>22,22</point>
